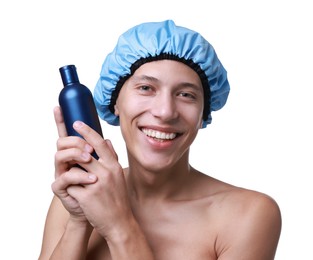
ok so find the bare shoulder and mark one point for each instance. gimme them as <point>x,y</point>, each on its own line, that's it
<point>246,202</point>
<point>241,201</point>
<point>252,211</point>
<point>249,222</point>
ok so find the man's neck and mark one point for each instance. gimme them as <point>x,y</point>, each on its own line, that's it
<point>145,184</point>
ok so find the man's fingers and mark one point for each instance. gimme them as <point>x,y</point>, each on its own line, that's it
<point>58,117</point>
<point>101,146</point>
<point>75,176</point>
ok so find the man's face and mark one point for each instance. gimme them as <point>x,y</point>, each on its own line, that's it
<point>160,109</point>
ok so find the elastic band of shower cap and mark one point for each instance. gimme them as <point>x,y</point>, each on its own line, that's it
<point>155,41</point>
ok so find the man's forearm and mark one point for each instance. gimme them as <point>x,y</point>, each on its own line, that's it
<point>73,244</point>
<point>130,244</point>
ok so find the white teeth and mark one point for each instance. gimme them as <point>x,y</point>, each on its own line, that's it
<point>159,135</point>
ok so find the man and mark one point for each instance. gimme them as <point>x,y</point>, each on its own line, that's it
<point>160,84</point>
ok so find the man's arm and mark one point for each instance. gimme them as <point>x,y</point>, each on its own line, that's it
<point>130,243</point>
<point>64,238</point>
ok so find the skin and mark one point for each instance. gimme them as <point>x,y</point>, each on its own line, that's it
<point>160,207</point>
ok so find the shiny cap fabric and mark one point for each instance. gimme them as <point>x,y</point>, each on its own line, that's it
<point>154,39</point>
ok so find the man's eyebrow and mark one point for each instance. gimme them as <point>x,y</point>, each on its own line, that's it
<point>144,78</point>
<point>153,79</point>
<point>191,85</point>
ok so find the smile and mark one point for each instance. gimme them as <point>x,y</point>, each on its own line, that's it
<point>158,135</point>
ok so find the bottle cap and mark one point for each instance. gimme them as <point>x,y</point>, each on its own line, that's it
<point>69,75</point>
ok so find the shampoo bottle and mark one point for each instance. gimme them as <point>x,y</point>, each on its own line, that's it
<point>76,102</point>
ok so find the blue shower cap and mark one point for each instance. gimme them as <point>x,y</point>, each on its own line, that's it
<point>154,41</point>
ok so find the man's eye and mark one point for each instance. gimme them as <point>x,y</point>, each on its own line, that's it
<point>145,88</point>
<point>187,95</point>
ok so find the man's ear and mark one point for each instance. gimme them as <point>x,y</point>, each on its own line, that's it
<point>116,111</point>
<point>201,124</point>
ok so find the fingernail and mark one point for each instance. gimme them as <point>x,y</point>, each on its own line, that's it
<point>85,156</point>
<point>92,177</point>
<point>78,124</point>
<point>88,148</point>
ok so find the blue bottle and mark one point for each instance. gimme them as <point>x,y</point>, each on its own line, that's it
<point>76,102</point>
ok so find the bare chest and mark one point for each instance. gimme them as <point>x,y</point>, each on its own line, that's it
<point>177,232</point>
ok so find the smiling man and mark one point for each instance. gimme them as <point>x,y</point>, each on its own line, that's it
<point>160,84</point>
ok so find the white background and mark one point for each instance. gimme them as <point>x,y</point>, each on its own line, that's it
<point>261,140</point>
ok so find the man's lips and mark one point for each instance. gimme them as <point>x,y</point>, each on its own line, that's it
<point>159,134</point>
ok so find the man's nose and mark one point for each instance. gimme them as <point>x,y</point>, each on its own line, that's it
<point>164,107</point>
